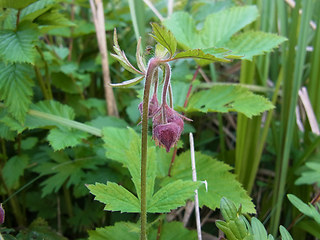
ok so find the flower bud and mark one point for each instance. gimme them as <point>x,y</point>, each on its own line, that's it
<point>2,214</point>
<point>153,106</point>
<point>167,127</point>
<point>167,134</point>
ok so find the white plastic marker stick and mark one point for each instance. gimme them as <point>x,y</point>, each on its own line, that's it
<point>194,178</point>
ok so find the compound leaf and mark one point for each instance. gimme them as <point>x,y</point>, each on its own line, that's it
<point>226,98</point>
<point>51,107</point>
<point>183,27</point>
<point>250,44</point>
<point>62,138</point>
<point>19,46</point>
<point>164,37</point>
<point>13,170</point>
<point>124,146</point>
<point>219,27</point>
<point>221,183</point>
<point>16,88</point>
<point>172,196</point>
<point>121,230</point>
<point>115,197</point>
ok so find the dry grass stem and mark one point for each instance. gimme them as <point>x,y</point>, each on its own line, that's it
<point>99,23</point>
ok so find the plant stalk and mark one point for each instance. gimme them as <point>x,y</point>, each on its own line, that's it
<point>153,64</point>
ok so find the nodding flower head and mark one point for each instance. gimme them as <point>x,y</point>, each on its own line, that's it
<point>153,106</point>
<point>167,127</point>
<point>2,214</point>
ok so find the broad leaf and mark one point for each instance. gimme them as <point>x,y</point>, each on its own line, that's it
<point>61,138</point>
<point>184,29</point>
<point>175,231</point>
<point>13,170</point>
<point>121,230</point>
<point>19,46</point>
<point>221,183</point>
<point>36,9</point>
<point>226,98</point>
<point>17,4</point>
<point>172,196</point>
<point>16,88</point>
<point>131,231</point>
<point>51,107</point>
<point>164,37</point>
<point>124,146</point>
<point>251,43</point>
<point>219,27</point>
<point>115,197</point>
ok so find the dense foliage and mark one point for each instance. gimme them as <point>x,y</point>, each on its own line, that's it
<point>235,68</point>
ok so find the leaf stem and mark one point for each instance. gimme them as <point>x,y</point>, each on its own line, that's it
<point>153,64</point>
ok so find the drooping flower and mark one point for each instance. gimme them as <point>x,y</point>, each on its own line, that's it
<point>167,127</point>
<point>153,106</point>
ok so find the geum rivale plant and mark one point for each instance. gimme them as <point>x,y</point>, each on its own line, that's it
<point>167,128</point>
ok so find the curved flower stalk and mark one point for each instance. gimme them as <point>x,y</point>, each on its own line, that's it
<point>167,123</point>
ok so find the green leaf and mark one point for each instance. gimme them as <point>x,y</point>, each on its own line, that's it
<point>128,83</point>
<point>19,46</point>
<point>131,231</point>
<point>39,230</point>
<point>124,146</point>
<point>115,197</point>
<point>184,29</point>
<point>164,37</point>
<point>60,139</point>
<point>285,235</point>
<point>250,44</point>
<point>6,133</point>
<point>226,98</point>
<point>259,231</point>
<point>64,170</point>
<point>228,209</point>
<point>13,170</point>
<point>53,18</point>
<point>199,55</point>
<point>310,226</point>
<point>172,196</point>
<point>219,27</point>
<point>36,9</point>
<point>16,88</point>
<point>221,183</point>
<point>308,210</point>
<point>310,176</point>
<point>50,107</point>
<point>17,4</point>
<point>176,231</point>
<point>121,230</point>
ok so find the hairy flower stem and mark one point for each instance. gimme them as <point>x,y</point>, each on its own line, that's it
<point>153,65</point>
<point>166,84</point>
